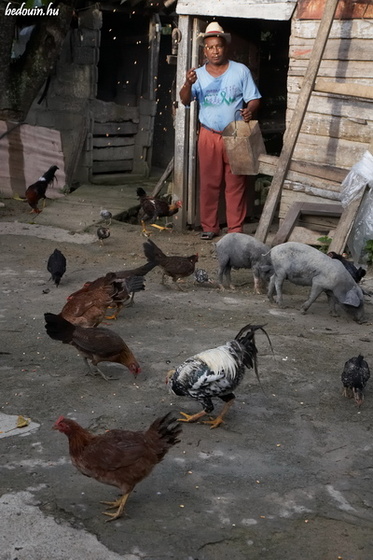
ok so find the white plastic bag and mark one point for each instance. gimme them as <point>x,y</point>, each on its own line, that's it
<point>360,176</point>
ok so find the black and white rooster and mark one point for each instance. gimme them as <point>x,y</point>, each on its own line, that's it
<point>216,373</point>
<point>354,377</point>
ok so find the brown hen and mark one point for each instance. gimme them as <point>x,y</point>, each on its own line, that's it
<point>118,457</point>
<point>176,267</point>
<point>87,307</point>
<point>95,344</point>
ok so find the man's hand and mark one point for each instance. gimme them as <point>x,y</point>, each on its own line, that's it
<point>246,114</point>
<point>249,112</point>
<point>186,90</point>
<point>191,77</point>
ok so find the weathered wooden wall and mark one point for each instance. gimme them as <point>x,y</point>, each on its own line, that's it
<point>337,129</point>
<point>121,137</point>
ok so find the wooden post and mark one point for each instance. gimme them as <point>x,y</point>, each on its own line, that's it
<point>292,132</point>
<point>181,122</point>
<point>154,43</point>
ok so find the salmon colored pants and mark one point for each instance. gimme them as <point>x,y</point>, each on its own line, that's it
<point>214,173</point>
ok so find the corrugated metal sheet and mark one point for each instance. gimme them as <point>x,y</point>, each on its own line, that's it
<point>26,152</point>
<point>251,9</point>
<point>346,9</point>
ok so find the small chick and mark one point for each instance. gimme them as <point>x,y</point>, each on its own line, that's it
<point>201,276</point>
<point>354,377</point>
<point>106,215</point>
<point>103,233</point>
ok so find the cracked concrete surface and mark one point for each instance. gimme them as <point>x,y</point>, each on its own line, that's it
<point>287,476</point>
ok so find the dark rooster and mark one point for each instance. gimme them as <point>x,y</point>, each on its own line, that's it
<point>56,266</point>
<point>176,267</point>
<point>119,458</point>
<point>37,191</point>
<point>354,377</point>
<point>356,273</point>
<point>153,208</point>
<point>216,373</point>
<point>95,344</point>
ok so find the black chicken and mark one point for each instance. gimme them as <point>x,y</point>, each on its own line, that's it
<point>103,233</point>
<point>216,373</point>
<point>356,273</point>
<point>56,266</point>
<point>153,208</point>
<point>37,191</point>
<point>354,377</point>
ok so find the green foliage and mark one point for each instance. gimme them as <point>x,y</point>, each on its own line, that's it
<point>325,241</point>
<point>368,251</point>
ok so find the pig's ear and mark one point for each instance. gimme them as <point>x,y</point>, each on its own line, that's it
<point>352,298</point>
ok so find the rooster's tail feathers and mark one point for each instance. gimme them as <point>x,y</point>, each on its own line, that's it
<point>152,252</point>
<point>166,429</point>
<point>246,337</point>
<point>140,271</point>
<point>135,284</point>
<point>58,328</point>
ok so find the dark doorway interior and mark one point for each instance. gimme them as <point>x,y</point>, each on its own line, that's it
<point>263,45</point>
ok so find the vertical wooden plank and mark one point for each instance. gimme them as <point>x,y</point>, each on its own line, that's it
<point>193,123</point>
<point>292,132</point>
<point>154,44</point>
<point>182,121</point>
<point>345,225</point>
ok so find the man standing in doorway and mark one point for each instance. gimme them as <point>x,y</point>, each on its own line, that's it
<point>225,91</point>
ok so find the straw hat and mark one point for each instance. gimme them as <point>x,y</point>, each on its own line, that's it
<point>215,30</point>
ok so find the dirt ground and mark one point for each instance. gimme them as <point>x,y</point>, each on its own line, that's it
<point>287,476</point>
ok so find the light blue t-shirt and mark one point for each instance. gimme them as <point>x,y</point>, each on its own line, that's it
<point>220,97</point>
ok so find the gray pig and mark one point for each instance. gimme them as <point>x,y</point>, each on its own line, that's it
<point>239,250</point>
<point>307,266</point>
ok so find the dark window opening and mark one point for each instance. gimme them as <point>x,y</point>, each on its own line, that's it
<point>123,64</point>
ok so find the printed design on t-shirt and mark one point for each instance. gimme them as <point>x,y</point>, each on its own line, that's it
<point>225,96</point>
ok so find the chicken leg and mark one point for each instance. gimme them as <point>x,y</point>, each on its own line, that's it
<point>191,417</point>
<point>119,503</point>
<point>93,372</point>
<point>219,419</point>
<point>163,228</point>
<point>144,230</point>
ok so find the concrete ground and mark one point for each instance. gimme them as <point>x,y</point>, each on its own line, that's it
<point>287,476</point>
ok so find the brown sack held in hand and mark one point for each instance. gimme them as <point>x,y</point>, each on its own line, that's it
<point>244,143</point>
